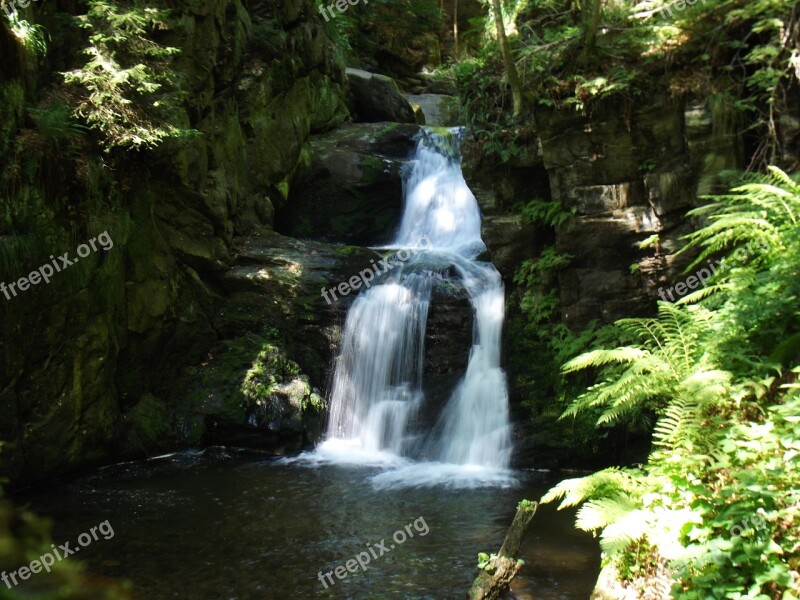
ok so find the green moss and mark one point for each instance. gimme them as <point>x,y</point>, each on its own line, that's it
<point>269,368</point>
<point>149,421</point>
<point>12,104</point>
<point>388,129</point>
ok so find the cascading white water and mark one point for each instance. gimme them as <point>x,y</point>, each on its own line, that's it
<point>377,387</point>
<point>377,384</point>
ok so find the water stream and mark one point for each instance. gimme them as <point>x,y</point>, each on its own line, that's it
<point>377,386</point>
<point>219,525</point>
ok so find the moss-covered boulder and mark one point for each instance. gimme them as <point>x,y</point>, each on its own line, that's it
<point>248,393</point>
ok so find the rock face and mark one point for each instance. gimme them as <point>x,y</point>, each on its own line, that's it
<point>376,98</point>
<point>88,362</point>
<point>625,176</point>
<point>627,179</point>
<point>348,187</point>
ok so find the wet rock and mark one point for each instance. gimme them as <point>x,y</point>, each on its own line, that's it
<point>510,242</point>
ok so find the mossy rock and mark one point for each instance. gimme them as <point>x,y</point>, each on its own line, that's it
<point>149,422</point>
<point>250,393</point>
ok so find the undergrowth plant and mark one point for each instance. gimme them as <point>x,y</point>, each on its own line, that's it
<point>128,90</point>
<point>726,442</point>
<point>745,49</point>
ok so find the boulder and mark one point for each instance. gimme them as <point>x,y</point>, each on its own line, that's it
<point>438,110</point>
<point>377,98</point>
<point>349,187</point>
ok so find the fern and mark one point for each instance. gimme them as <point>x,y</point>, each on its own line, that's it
<point>757,213</point>
<point>609,482</point>
<point>670,355</point>
<point>545,212</point>
<point>723,458</point>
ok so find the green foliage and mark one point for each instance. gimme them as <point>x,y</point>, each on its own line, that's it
<point>669,361</point>
<point>616,82</point>
<point>545,212</point>
<point>31,35</point>
<point>401,28</point>
<point>538,300</point>
<point>528,505</point>
<point>762,287</point>
<point>130,94</point>
<point>485,107</point>
<point>55,122</point>
<point>741,50</point>
<point>486,561</point>
<point>716,507</point>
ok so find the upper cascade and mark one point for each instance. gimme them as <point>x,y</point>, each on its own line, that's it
<point>439,207</point>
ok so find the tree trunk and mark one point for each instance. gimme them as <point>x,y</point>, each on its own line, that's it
<point>508,59</point>
<point>455,28</point>
<point>591,31</point>
<point>504,567</point>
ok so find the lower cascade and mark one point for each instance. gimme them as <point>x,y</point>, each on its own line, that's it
<point>377,385</point>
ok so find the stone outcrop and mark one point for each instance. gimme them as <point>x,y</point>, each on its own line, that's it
<point>375,98</point>
<point>627,177</point>
<point>348,187</point>
<point>438,110</point>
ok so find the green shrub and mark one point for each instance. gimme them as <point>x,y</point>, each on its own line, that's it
<point>129,92</point>
<point>716,507</point>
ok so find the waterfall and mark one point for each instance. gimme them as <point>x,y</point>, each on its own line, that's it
<point>377,383</point>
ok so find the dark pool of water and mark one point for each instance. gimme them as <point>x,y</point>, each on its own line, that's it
<point>220,526</point>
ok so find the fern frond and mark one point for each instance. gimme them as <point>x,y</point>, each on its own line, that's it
<point>700,294</point>
<point>783,178</point>
<point>608,482</point>
<point>599,358</point>
<point>632,527</point>
<point>602,512</point>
